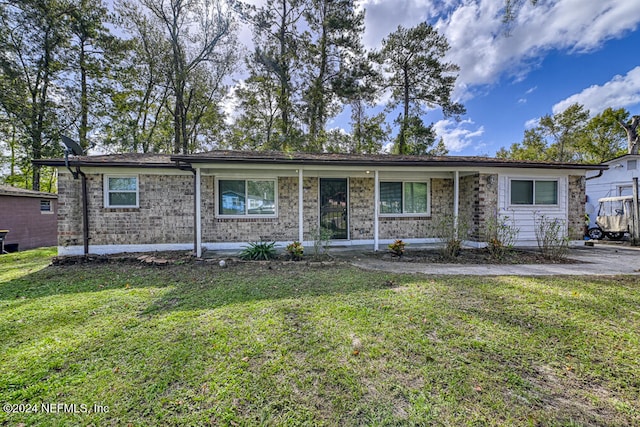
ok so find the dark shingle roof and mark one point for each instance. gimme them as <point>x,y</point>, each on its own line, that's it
<point>277,157</point>
<point>150,160</point>
<point>7,190</point>
<point>114,160</point>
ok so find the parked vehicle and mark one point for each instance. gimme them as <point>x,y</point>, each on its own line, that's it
<point>614,218</point>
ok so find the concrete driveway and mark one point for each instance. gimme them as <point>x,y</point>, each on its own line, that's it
<point>599,260</point>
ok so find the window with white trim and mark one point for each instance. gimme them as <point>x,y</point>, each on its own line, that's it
<point>404,198</point>
<point>534,192</point>
<point>121,191</point>
<point>247,197</point>
<point>45,206</point>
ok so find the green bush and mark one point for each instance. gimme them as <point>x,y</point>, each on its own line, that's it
<point>552,237</point>
<point>295,250</point>
<point>501,235</point>
<point>259,251</point>
<point>451,231</point>
<point>397,248</point>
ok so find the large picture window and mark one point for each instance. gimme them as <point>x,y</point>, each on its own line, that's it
<point>534,192</point>
<point>404,198</point>
<point>121,191</point>
<point>245,197</point>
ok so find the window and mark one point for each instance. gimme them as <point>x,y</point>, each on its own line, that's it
<point>532,192</point>
<point>404,198</point>
<point>45,206</point>
<point>240,197</point>
<point>121,192</point>
<point>632,165</point>
<point>625,190</point>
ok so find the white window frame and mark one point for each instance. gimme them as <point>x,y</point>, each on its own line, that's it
<point>217,197</point>
<point>403,214</point>
<point>107,191</point>
<point>50,210</point>
<point>621,189</point>
<point>533,202</point>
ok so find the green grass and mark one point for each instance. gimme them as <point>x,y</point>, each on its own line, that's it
<point>301,345</point>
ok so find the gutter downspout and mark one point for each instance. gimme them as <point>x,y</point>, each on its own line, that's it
<point>198,214</point>
<point>595,176</point>
<point>85,202</point>
<point>85,212</point>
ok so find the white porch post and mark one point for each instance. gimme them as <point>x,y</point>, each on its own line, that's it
<point>198,198</point>
<point>456,200</point>
<point>376,209</point>
<point>300,206</point>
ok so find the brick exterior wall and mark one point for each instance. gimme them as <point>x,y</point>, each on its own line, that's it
<point>165,214</point>
<point>28,226</point>
<point>282,228</point>
<point>577,199</point>
<point>361,209</point>
<point>166,208</point>
<point>421,227</point>
<point>478,202</point>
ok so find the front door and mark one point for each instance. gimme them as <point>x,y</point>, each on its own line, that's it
<point>334,207</point>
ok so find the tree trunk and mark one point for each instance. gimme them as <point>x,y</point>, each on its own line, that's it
<point>84,103</point>
<point>284,79</point>
<point>632,134</point>
<point>402,139</point>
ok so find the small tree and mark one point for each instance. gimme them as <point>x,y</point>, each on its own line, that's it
<point>552,237</point>
<point>451,231</point>
<point>501,235</point>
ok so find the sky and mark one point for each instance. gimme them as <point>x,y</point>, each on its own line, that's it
<point>554,54</point>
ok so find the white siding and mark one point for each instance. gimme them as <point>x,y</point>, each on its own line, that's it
<point>618,175</point>
<point>525,214</point>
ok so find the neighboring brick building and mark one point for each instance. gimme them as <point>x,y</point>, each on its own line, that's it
<point>30,217</point>
<point>224,199</point>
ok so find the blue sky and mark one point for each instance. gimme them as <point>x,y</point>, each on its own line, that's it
<point>557,53</point>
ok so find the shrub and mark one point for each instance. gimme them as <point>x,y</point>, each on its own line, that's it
<point>501,235</point>
<point>445,231</point>
<point>397,248</point>
<point>259,251</point>
<point>321,240</point>
<point>552,237</point>
<point>295,250</point>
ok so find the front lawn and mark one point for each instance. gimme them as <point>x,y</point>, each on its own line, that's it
<point>191,344</point>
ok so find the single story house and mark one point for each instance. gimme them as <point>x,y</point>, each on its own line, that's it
<point>29,216</point>
<point>614,181</point>
<point>225,199</point>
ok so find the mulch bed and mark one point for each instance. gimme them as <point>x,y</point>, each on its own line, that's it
<point>425,256</point>
<point>471,256</point>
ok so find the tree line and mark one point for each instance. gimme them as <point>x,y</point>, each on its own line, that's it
<point>155,76</point>
<point>574,136</point>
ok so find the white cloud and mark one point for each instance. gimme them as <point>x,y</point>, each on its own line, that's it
<point>484,52</point>
<point>619,92</point>
<point>456,135</point>
<point>530,124</point>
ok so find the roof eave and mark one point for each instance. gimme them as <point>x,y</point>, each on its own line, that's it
<point>384,163</point>
<point>81,163</point>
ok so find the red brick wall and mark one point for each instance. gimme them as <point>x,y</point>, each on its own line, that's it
<point>27,226</point>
